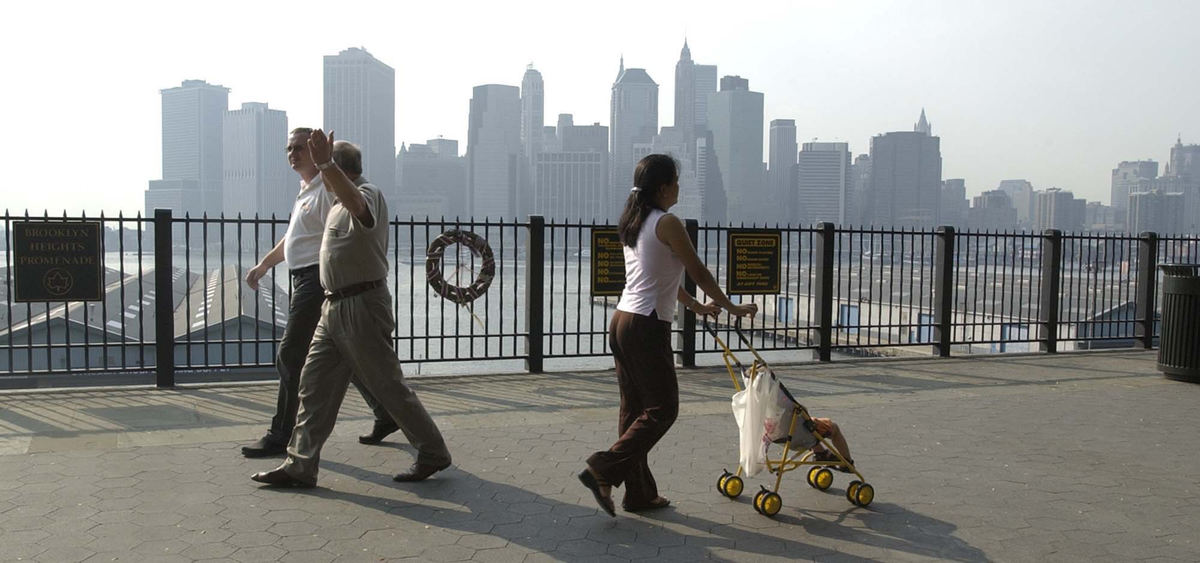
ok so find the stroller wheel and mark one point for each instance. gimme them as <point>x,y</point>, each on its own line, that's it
<point>823,479</point>
<point>732,486</point>
<point>851,489</point>
<point>769,503</point>
<point>864,494</point>
<point>758,500</point>
<point>721,481</point>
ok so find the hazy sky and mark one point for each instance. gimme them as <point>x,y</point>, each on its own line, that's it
<point>1056,92</point>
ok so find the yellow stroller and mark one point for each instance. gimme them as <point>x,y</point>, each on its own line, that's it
<point>795,430</point>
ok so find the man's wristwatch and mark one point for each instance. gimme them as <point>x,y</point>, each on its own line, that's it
<point>325,165</point>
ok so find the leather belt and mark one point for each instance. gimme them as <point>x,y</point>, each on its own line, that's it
<point>304,270</point>
<point>352,290</point>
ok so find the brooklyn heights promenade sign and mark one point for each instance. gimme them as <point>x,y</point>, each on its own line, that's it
<point>59,261</point>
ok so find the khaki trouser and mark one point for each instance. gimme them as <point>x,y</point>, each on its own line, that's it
<point>354,336</point>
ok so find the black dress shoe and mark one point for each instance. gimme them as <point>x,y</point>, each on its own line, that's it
<point>605,502</point>
<point>419,472</point>
<point>378,433</point>
<point>280,478</point>
<point>264,447</point>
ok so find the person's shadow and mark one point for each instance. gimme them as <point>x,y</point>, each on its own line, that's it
<point>537,522</point>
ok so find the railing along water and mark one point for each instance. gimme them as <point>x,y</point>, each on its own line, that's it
<point>181,303</point>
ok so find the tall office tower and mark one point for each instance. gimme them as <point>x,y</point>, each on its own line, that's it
<point>670,141</point>
<point>822,183</point>
<point>1056,208</point>
<point>431,180</point>
<point>494,153</point>
<point>193,115</point>
<point>572,181</point>
<point>954,203</point>
<point>258,179</point>
<point>360,107</point>
<point>581,138</point>
<point>533,109</point>
<point>735,117</point>
<point>1185,160</point>
<point>1127,178</point>
<point>781,167</point>
<point>858,204</point>
<point>992,211</point>
<point>1184,172</point>
<point>633,113</point>
<point>906,177</point>
<point>714,202</point>
<point>1021,194</point>
<point>1156,211</point>
<point>693,84</point>
<point>1100,217</point>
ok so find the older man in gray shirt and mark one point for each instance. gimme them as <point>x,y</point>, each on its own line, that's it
<point>354,333</point>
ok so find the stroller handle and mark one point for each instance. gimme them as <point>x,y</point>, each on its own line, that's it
<point>737,328</point>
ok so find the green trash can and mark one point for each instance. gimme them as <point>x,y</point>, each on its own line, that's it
<point>1179,343</point>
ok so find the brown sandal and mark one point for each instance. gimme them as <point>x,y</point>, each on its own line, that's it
<point>660,502</point>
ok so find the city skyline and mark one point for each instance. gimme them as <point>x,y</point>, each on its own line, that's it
<point>1061,121</point>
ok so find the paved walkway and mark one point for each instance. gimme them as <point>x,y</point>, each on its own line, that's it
<point>1031,458</point>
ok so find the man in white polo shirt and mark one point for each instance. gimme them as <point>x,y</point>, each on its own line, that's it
<point>300,247</point>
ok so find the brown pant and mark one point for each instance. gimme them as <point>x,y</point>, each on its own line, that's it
<point>645,365</point>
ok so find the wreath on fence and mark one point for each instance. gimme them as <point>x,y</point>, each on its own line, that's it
<point>479,247</point>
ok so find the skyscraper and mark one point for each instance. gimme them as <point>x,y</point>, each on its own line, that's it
<point>257,178</point>
<point>781,166</point>
<point>670,141</point>
<point>431,180</point>
<point>735,117</point>
<point>1156,211</point>
<point>494,152</point>
<point>533,108</point>
<point>1056,208</point>
<point>693,84</point>
<point>906,177</point>
<point>633,113</point>
<point>992,210</point>
<point>570,179</point>
<point>1183,174</point>
<point>822,183</point>
<point>193,115</point>
<point>360,107</point>
<point>1021,194</point>
<point>858,204</point>
<point>714,203</point>
<point>954,204</point>
<point>1129,178</point>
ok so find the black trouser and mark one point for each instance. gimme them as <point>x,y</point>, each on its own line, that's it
<point>641,347</point>
<point>304,312</point>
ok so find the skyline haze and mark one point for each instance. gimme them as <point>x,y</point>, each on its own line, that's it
<point>1056,94</point>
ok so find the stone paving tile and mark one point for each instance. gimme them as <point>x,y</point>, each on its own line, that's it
<point>1068,457</point>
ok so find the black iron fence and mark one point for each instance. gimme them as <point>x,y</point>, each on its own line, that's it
<point>174,296</point>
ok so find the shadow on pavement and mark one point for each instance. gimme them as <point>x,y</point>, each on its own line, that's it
<point>460,500</point>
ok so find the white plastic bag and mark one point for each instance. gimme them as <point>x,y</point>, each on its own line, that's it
<point>752,406</point>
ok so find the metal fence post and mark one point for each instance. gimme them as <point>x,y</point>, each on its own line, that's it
<point>824,293</point>
<point>1051,281</point>
<point>534,292</point>
<point>1147,284</point>
<point>687,353</point>
<point>164,302</point>
<point>943,290</point>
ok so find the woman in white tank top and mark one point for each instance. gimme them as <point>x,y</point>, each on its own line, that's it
<point>657,252</point>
